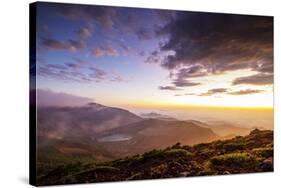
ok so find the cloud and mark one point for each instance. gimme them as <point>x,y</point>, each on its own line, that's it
<point>70,45</point>
<point>53,44</point>
<point>210,92</point>
<point>56,66</point>
<point>218,90</point>
<point>72,65</point>
<point>214,92</point>
<point>224,91</point>
<point>245,92</point>
<point>218,42</point>
<point>107,50</point>
<point>265,68</point>
<point>257,79</point>
<point>118,78</point>
<point>144,33</point>
<point>75,45</point>
<point>71,72</point>
<point>80,61</point>
<point>202,44</point>
<point>77,71</point>
<point>172,88</point>
<point>190,72</point>
<point>61,73</point>
<point>184,83</point>
<point>154,57</point>
<point>96,14</point>
<point>97,74</point>
<point>52,98</point>
<point>84,33</point>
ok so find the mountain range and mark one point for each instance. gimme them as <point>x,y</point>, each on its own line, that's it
<point>101,133</point>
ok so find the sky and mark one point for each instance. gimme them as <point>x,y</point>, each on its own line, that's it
<point>149,58</point>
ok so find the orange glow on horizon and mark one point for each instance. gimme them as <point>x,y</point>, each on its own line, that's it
<point>157,104</point>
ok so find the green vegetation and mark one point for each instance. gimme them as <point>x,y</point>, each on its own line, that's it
<point>233,162</point>
<point>177,152</point>
<point>263,152</point>
<point>251,153</point>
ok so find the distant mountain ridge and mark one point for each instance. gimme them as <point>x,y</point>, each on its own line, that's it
<point>154,115</point>
<point>110,132</point>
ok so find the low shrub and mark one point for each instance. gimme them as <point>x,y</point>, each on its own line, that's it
<point>177,153</point>
<point>233,146</point>
<point>233,160</point>
<point>263,152</point>
<point>153,154</point>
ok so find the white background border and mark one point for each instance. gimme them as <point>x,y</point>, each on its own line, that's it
<point>14,93</point>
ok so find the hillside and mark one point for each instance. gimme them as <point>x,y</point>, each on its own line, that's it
<point>242,154</point>
<point>103,133</point>
<point>151,134</point>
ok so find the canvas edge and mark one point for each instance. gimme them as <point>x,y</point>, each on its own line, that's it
<point>32,97</point>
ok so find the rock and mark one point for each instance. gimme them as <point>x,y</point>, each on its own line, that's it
<point>267,164</point>
<point>184,174</point>
<point>255,131</point>
<point>268,161</point>
<point>226,173</point>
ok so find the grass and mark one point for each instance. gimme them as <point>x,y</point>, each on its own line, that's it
<point>233,161</point>
<point>263,152</point>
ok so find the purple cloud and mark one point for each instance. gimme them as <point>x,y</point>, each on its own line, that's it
<point>96,14</point>
<point>179,82</point>
<point>172,88</point>
<point>246,92</point>
<point>257,79</point>
<point>70,45</point>
<point>53,44</point>
<point>107,50</point>
<point>84,33</point>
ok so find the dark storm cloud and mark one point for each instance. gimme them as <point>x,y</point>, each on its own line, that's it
<point>218,42</point>
<point>172,88</point>
<point>245,92</point>
<point>70,45</point>
<point>257,79</point>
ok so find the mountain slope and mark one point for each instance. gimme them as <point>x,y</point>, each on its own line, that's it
<point>251,153</point>
<point>99,133</point>
<point>81,122</point>
<point>153,133</point>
